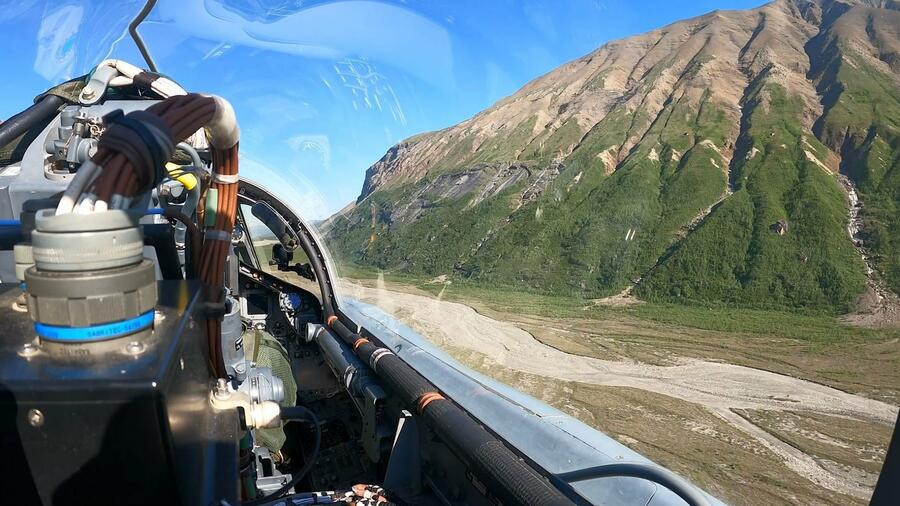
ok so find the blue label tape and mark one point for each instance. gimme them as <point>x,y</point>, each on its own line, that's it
<point>95,332</point>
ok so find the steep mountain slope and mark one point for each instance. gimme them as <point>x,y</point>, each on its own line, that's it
<point>701,159</point>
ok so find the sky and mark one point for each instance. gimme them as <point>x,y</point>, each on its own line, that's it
<point>323,88</point>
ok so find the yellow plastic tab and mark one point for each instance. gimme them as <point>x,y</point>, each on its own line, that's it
<point>185,178</point>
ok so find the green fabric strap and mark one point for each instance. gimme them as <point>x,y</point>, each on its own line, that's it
<point>212,203</point>
<point>263,349</point>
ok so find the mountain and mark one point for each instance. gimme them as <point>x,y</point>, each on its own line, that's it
<point>712,160</point>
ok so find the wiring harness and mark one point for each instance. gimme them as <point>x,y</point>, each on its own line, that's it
<point>131,160</point>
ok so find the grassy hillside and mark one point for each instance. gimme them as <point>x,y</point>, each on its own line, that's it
<point>570,240</point>
<point>862,119</point>
<point>696,164</point>
<point>735,256</point>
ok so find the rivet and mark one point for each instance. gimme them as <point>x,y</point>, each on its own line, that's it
<point>35,417</point>
<point>29,350</point>
<point>134,348</point>
<point>222,389</point>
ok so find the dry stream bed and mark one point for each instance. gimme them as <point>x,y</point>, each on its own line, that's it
<point>753,421</point>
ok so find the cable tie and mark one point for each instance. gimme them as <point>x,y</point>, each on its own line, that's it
<point>376,356</point>
<point>144,139</point>
<point>145,79</point>
<point>224,178</point>
<point>349,372</point>
<point>359,342</point>
<point>426,399</point>
<point>117,201</point>
<point>217,235</point>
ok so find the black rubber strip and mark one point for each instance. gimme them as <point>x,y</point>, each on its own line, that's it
<point>12,128</point>
<point>506,476</point>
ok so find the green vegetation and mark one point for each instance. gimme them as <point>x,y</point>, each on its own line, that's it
<point>571,239</point>
<point>684,224</point>
<point>650,202</point>
<point>862,121</point>
<point>804,344</point>
<point>547,147</point>
<point>814,327</point>
<point>609,133</point>
<point>737,257</point>
<point>843,441</point>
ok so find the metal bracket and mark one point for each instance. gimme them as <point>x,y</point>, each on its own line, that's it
<point>95,89</point>
<point>404,469</point>
<point>268,479</point>
<point>374,431</point>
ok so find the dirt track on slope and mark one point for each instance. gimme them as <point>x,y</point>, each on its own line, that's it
<point>719,387</point>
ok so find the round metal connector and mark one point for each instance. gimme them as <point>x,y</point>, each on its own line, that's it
<point>90,284</point>
<point>84,242</point>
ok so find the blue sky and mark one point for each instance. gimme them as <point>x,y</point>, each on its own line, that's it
<point>323,88</point>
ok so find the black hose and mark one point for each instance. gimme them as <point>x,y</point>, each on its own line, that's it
<point>41,110</point>
<point>506,476</point>
<point>648,472</point>
<point>294,414</point>
<point>196,240</point>
<point>191,152</point>
<point>509,478</point>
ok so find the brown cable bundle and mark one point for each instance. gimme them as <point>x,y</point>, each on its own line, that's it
<point>216,245</point>
<point>131,156</point>
<point>123,174</point>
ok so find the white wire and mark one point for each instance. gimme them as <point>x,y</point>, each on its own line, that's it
<point>85,204</point>
<point>80,205</point>
<point>167,87</point>
<point>121,81</point>
<point>85,175</point>
<point>163,86</point>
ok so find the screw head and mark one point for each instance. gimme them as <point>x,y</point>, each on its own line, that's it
<point>29,350</point>
<point>222,389</point>
<point>35,417</point>
<point>88,92</point>
<point>134,348</point>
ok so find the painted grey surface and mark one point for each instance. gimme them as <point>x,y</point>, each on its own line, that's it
<point>549,437</point>
<point>26,180</point>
